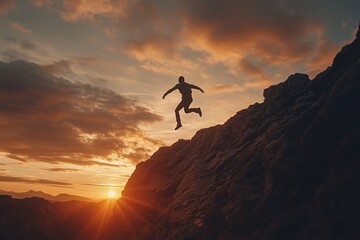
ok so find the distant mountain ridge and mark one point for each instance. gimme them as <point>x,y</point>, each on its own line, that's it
<point>31,193</point>
<point>39,219</point>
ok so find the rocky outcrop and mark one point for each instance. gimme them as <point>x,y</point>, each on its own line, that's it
<point>287,168</point>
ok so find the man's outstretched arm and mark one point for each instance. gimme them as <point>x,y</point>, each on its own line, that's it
<point>196,87</point>
<point>169,91</point>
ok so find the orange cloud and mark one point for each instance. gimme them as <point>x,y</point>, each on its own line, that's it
<point>160,35</point>
<point>151,47</point>
<point>18,27</point>
<point>50,119</point>
<point>225,88</point>
<point>251,69</point>
<point>220,31</point>
<point>42,3</point>
<point>6,5</point>
<point>75,10</point>
<point>232,30</point>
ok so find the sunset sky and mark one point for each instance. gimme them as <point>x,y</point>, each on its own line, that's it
<point>81,82</point>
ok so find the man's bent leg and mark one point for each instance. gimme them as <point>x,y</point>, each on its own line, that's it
<point>195,110</point>
<point>187,103</point>
<point>189,110</point>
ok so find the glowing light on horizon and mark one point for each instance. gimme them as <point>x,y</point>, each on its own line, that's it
<point>112,194</point>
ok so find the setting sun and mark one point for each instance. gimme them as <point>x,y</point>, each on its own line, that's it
<point>112,194</point>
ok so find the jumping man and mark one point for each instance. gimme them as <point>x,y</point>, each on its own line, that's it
<point>185,90</point>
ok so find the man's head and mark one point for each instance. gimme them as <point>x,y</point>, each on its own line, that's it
<point>181,79</point>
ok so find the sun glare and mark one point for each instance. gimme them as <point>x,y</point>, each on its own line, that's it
<point>112,194</point>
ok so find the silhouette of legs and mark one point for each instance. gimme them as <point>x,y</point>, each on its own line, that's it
<point>178,126</point>
<point>177,115</point>
<point>185,103</point>
<point>190,110</point>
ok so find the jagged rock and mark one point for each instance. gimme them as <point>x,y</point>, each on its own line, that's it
<point>291,88</point>
<point>287,168</point>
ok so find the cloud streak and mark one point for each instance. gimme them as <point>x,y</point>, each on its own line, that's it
<point>62,169</point>
<point>104,185</point>
<point>19,27</point>
<point>5,178</point>
<point>50,119</point>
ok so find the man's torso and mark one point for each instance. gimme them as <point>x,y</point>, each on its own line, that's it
<point>185,90</point>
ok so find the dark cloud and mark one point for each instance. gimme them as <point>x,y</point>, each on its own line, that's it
<point>27,45</point>
<point>5,178</point>
<point>14,49</point>
<point>137,153</point>
<point>62,169</point>
<point>50,119</point>
<point>59,67</point>
<point>9,39</point>
<point>104,185</point>
<point>23,44</point>
<point>10,54</point>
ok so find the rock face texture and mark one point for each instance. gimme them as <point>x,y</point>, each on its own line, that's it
<point>288,168</point>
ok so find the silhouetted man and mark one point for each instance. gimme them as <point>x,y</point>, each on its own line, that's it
<point>185,90</point>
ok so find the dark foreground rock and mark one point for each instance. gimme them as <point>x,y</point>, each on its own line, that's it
<point>288,168</point>
<point>39,219</point>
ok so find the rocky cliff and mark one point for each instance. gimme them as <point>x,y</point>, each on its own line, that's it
<point>288,168</point>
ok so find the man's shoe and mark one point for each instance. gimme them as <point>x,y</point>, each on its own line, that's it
<point>178,126</point>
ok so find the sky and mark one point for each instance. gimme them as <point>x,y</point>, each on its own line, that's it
<point>81,82</point>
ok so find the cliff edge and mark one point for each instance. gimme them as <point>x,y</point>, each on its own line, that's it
<point>287,168</point>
